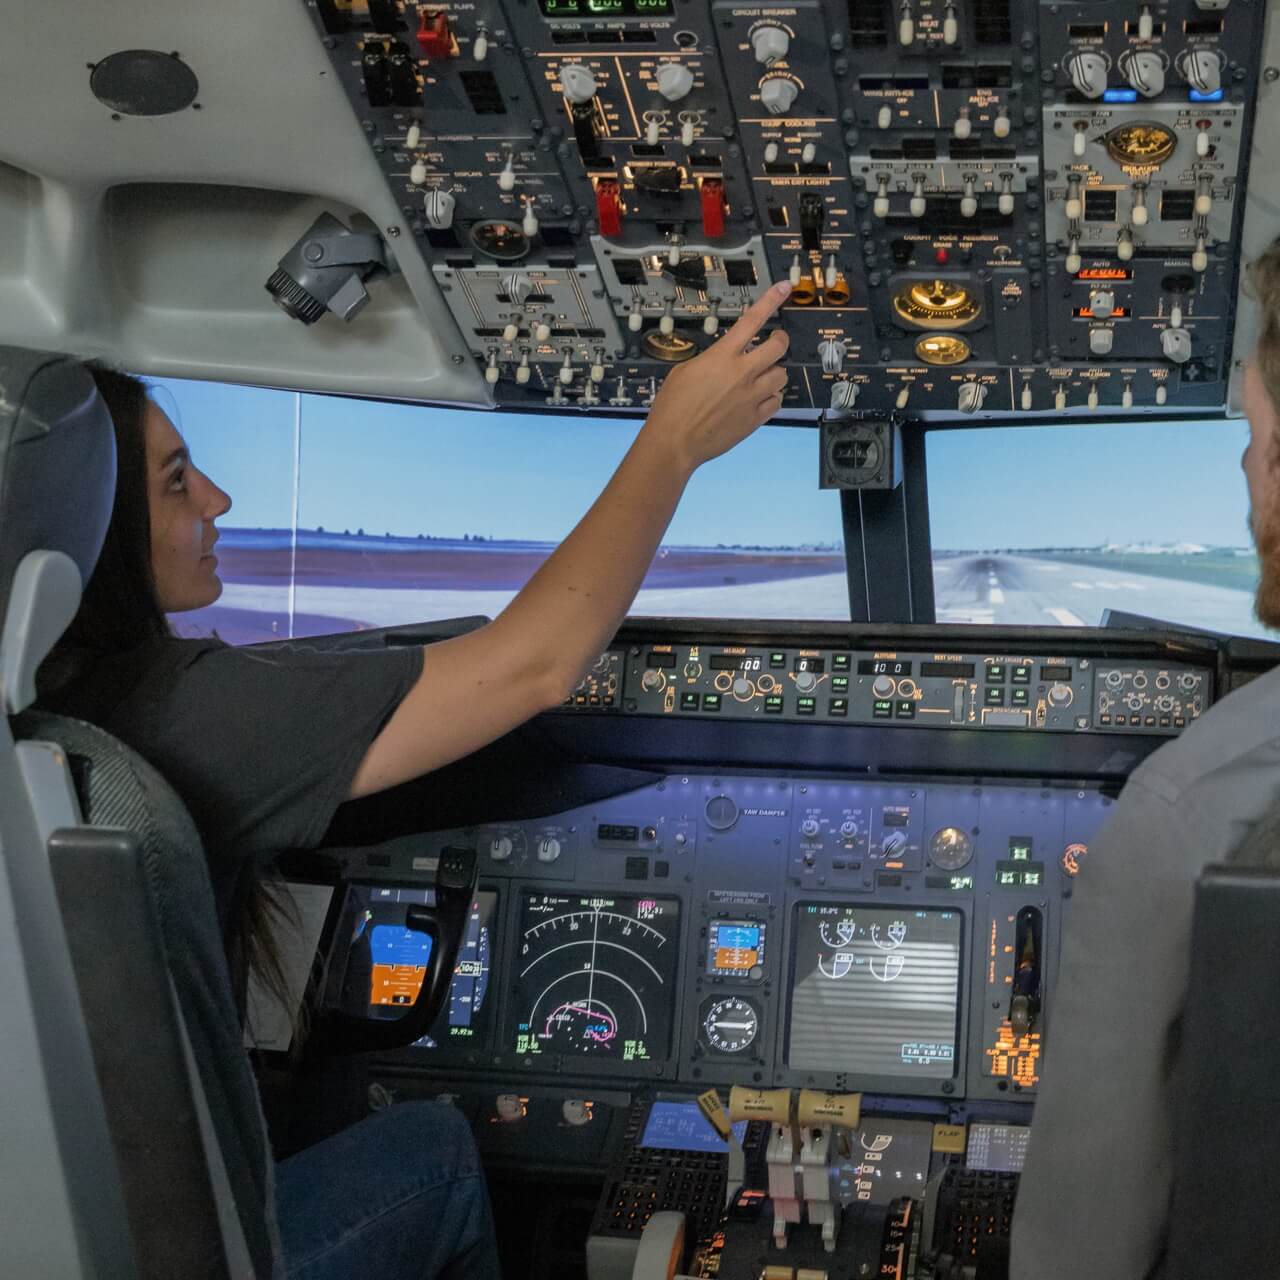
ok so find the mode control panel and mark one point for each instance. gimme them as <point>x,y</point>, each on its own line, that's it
<point>1041,692</point>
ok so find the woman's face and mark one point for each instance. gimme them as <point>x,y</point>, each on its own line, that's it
<point>184,503</point>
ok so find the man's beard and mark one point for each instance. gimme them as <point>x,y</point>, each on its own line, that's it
<point>1266,537</point>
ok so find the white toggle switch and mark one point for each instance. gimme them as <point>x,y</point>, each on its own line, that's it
<point>1092,400</point>
<point>1102,302</point>
<point>1139,214</point>
<point>687,132</point>
<point>906,24</point>
<point>809,154</point>
<point>597,369</point>
<point>480,45</point>
<point>1073,257</point>
<point>511,331</point>
<point>1002,125</point>
<point>968,201</point>
<point>1176,345</point>
<point>523,372</point>
<point>771,153</point>
<point>880,206</point>
<point>1162,393</point>
<point>1088,72</point>
<point>1074,208</point>
<point>1060,398</point>
<point>903,396</point>
<point>1204,197</point>
<point>414,136</point>
<point>1026,400</point>
<point>635,320</point>
<point>418,172</point>
<point>1175,316</point>
<point>711,323</point>
<point>950,27</point>
<point>794,273</point>
<point>529,223</point>
<point>1200,258</point>
<point>1146,27</point>
<point>1101,341</point>
<point>507,178</point>
<point>491,372</point>
<point>438,209</point>
<point>1005,202</point>
<point>674,81</point>
<point>831,274</point>
<point>770,44</point>
<point>777,94</point>
<point>972,397</point>
<point>542,333</point>
<point>1202,142</point>
<point>1124,245</point>
<point>832,354</point>
<point>963,126</point>
<point>652,131</point>
<point>1144,70</point>
<point>884,117</point>
<point>673,253</point>
<point>566,369</point>
<point>1126,398</point>
<point>578,83</point>
<point>667,324</point>
<point>917,199</point>
<point>1079,140</point>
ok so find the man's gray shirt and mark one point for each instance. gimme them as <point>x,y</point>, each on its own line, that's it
<point>1094,1197</point>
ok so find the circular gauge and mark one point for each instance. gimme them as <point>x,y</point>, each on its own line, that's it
<point>672,348</point>
<point>943,349</point>
<point>890,936</point>
<point>950,849</point>
<point>936,304</point>
<point>1141,143</point>
<point>502,240</point>
<point>721,812</point>
<point>730,1025</point>
<point>1073,857</point>
<point>836,933</point>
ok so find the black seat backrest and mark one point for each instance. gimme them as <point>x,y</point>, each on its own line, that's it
<point>118,789</point>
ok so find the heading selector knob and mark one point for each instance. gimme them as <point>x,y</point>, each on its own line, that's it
<point>806,681</point>
<point>777,95</point>
<point>674,81</point>
<point>578,83</point>
<point>770,44</point>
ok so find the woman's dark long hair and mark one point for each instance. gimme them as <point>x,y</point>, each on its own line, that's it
<point>120,610</point>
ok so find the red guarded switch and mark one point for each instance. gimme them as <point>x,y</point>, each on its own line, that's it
<point>434,35</point>
<point>713,207</point>
<point>608,207</point>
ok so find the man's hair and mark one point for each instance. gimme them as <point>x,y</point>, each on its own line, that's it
<point>1264,286</point>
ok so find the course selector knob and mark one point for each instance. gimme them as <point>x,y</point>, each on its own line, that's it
<point>770,44</point>
<point>777,95</point>
<point>674,80</point>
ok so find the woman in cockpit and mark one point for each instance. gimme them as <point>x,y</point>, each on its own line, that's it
<point>263,746</point>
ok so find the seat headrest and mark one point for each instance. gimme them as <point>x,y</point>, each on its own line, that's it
<point>57,462</point>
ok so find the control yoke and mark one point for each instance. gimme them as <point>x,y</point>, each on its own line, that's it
<point>445,924</point>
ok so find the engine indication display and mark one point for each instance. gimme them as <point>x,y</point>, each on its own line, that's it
<point>595,977</point>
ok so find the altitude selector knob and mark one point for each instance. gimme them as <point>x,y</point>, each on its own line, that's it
<point>1088,72</point>
<point>832,355</point>
<point>777,95</point>
<point>674,81</point>
<point>578,83</point>
<point>770,44</point>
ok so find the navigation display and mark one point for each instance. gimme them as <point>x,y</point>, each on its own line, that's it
<point>875,990</point>
<point>594,976</point>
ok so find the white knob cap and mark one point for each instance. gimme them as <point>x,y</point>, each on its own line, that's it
<point>1145,72</point>
<point>597,373</point>
<point>509,1108</point>
<point>777,95</point>
<point>1146,27</point>
<point>1074,208</point>
<point>1073,258</point>
<point>543,332</point>
<point>1175,316</point>
<point>1060,398</point>
<point>418,172</point>
<point>771,153</point>
<point>576,1112</point>
<point>1162,393</point>
<point>686,133</point>
<point>1079,142</point>
<point>917,206</point>
<point>674,81</point>
<point>972,396</point>
<point>963,126</point>
<point>884,117</point>
<point>809,154</point>
<point>1126,398</point>
<point>832,355</point>
<point>1139,214</point>
<point>635,321</point>
<point>1204,199</point>
<point>1005,201</point>
<point>1200,258</point>
<point>480,46</point>
<point>831,274</point>
<point>1092,400</point>
<point>844,395</point>
<point>523,372</point>
<point>880,205</point>
<point>507,178</point>
<point>1203,69</point>
<point>794,273</point>
<point>710,324</point>
<point>1101,341</point>
<point>529,223</point>
<point>491,369</point>
<point>566,369</point>
<point>667,324</point>
<point>770,44</point>
<point>1124,246</point>
<point>652,132</point>
<point>511,332</point>
<point>903,396</point>
<point>1102,302</point>
<point>578,83</point>
<point>968,202</point>
<point>950,27</point>
<point>1026,400</point>
<point>1202,143</point>
<point>414,136</point>
<point>1001,126</point>
<point>1088,73</point>
<point>548,849</point>
<point>1176,344</point>
<point>438,209</point>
